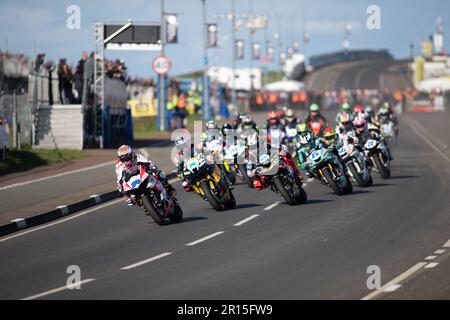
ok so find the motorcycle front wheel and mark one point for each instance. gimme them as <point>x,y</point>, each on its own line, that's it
<point>212,199</point>
<point>152,210</point>
<point>284,193</point>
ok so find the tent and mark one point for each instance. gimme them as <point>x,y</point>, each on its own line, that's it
<point>286,85</point>
<point>442,84</point>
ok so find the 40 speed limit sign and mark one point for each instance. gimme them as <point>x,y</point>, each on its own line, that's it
<point>161,65</point>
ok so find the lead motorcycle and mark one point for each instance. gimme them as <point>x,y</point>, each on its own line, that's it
<point>139,187</point>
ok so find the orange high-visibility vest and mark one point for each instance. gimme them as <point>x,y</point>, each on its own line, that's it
<point>181,101</point>
<point>259,99</point>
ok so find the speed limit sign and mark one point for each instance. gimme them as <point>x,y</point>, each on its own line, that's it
<point>161,65</point>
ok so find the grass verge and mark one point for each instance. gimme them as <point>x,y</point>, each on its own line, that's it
<point>27,158</point>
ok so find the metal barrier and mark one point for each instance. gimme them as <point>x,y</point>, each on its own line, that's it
<point>17,112</point>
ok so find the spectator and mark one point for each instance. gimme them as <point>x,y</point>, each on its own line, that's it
<point>65,79</point>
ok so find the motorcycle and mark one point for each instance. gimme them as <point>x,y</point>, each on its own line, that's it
<point>216,148</point>
<point>324,164</point>
<point>281,181</point>
<point>376,151</point>
<point>356,164</point>
<point>138,186</point>
<point>388,132</point>
<point>208,182</point>
<point>247,148</point>
<point>288,137</point>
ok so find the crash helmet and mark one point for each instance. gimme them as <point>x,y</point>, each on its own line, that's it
<point>314,108</point>
<point>226,129</point>
<point>305,139</point>
<point>211,124</point>
<point>125,154</point>
<point>248,122</point>
<point>289,115</point>
<point>358,108</point>
<point>329,135</point>
<point>360,125</point>
<point>346,107</point>
<point>181,143</point>
<point>302,128</point>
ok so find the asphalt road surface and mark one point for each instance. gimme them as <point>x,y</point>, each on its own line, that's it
<point>264,249</point>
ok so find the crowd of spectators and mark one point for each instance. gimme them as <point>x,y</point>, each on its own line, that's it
<point>14,65</point>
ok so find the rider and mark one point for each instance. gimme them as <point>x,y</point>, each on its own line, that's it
<point>359,111</point>
<point>128,163</point>
<point>315,115</point>
<point>184,151</point>
<point>290,119</point>
<point>266,166</point>
<point>345,108</point>
<point>304,144</point>
<point>345,124</point>
<point>238,121</point>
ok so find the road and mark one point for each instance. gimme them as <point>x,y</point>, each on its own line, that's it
<point>64,188</point>
<point>261,250</point>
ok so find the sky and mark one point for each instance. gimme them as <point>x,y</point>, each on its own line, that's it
<point>26,25</point>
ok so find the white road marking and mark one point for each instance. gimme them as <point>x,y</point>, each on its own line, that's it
<point>61,220</point>
<point>392,288</point>
<point>395,281</point>
<point>310,179</point>
<point>431,265</point>
<point>447,244</point>
<point>137,264</point>
<point>440,251</point>
<point>56,175</point>
<point>413,124</point>
<point>46,293</point>
<point>273,205</point>
<point>430,258</point>
<point>240,223</point>
<point>205,238</point>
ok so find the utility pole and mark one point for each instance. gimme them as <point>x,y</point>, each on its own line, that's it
<point>233,43</point>
<point>206,111</point>
<point>162,77</point>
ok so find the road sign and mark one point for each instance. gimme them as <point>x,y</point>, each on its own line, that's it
<point>161,65</point>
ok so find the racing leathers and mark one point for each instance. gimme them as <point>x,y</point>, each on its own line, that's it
<point>160,185</point>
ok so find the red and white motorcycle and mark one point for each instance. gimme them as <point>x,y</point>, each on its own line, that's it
<point>139,187</point>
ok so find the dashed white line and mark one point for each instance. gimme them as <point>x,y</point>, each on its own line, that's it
<point>46,293</point>
<point>447,244</point>
<point>439,251</point>
<point>431,265</point>
<point>430,258</point>
<point>140,263</point>
<point>392,288</point>
<point>240,223</point>
<point>273,205</point>
<point>415,126</point>
<point>395,281</point>
<point>205,238</point>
